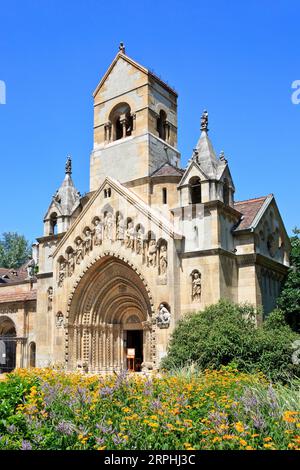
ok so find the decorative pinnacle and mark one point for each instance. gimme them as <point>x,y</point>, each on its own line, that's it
<point>222,157</point>
<point>122,47</point>
<point>204,121</point>
<point>68,166</point>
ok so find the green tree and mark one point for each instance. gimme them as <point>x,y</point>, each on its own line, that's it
<point>289,300</point>
<point>14,250</point>
<point>225,334</point>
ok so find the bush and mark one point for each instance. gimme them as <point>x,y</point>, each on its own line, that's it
<point>226,333</point>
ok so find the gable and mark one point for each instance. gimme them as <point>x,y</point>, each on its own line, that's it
<point>192,170</point>
<point>122,76</point>
<point>112,197</point>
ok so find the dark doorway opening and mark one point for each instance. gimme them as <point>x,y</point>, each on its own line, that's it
<point>7,354</point>
<point>135,341</point>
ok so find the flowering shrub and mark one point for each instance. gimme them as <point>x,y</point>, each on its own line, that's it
<point>225,409</point>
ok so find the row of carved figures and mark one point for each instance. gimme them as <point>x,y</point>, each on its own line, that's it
<point>154,253</point>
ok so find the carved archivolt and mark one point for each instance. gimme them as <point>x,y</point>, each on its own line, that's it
<point>131,235</point>
<point>101,304</point>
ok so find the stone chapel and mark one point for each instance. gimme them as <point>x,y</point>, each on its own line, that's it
<point>149,242</point>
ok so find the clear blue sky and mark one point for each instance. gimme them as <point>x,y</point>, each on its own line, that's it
<point>238,59</point>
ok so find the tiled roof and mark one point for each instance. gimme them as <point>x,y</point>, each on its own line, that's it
<point>17,296</point>
<point>249,209</point>
<point>168,170</point>
<point>8,276</point>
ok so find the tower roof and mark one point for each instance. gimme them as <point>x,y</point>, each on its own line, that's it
<point>204,156</point>
<point>123,56</point>
<point>67,198</point>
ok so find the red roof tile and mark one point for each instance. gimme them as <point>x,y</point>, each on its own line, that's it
<point>249,209</point>
<point>17,297</point>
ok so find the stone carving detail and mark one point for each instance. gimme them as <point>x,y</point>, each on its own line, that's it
<point>163,260</point>
<point>71,262</point>
<point>119,228</point>
<point>130,235</point>
<point>139,241</point>
<point>62,271</point>
<point>88,241</point>
<point>30,269</point>
<point>59,320</point>
<point>98,232</point>
<point>79,251</point>
<point>196,286</point>
<point>152,253</point>
<point>113,227</point>
<point>108,224</point>
<point>164,317</point>
<point>50,297</point>
<point>204,121</point>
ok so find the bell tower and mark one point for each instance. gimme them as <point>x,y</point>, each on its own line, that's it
<point>135,123</point>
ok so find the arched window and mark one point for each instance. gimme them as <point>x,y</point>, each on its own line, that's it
<point>122,121</point>
<point>161,124</point>
<point>195,190</point>
<point>226,192</point>
<point>53,224</point>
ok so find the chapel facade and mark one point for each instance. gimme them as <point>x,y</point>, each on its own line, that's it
<point>150,241</point>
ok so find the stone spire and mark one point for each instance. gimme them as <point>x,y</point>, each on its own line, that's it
<point>67,197</point>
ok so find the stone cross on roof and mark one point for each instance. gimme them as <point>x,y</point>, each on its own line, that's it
<point>122,47</point>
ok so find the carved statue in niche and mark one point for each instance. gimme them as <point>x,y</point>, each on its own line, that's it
<point>130,235</point>
<point>119,228</point>
<point>164,316</point>
<point>152,252</point>
<point>108,224</point>
<point>79,251</point>
<point>50,297</point>
<point>62,272</point>
<point>30,269</point>
<point>196,286</point>
<point>163,260</point>
<point>98,234</point>
<point>139,241</point>
<point>88,241</point>
<point>59,320</point>
<point>71,263</point>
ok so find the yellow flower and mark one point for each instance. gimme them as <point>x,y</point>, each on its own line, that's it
<point>243,442</point>
<point>239,427</point>
<point>268,446</point>
<point>249,448</point>
<point>267,439</point>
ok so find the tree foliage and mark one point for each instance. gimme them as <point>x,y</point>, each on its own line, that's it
<point>289,300</point>
<point>225,333</point>
<point>14,250</point>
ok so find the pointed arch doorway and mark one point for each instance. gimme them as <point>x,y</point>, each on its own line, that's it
<point>110,313</point>
<point>8,343</point>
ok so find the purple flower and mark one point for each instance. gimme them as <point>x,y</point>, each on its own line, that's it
<point>104,429</point>
<point>272,398</point>
<point>156,404</point>
<point>249,401</point>
<point>11,428</point>
<point>100,441</point>
<point>258,421</point>
<point>118,440</point>
<point>106,391</point>
<point>26,445</point>
<point>65,427</point>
